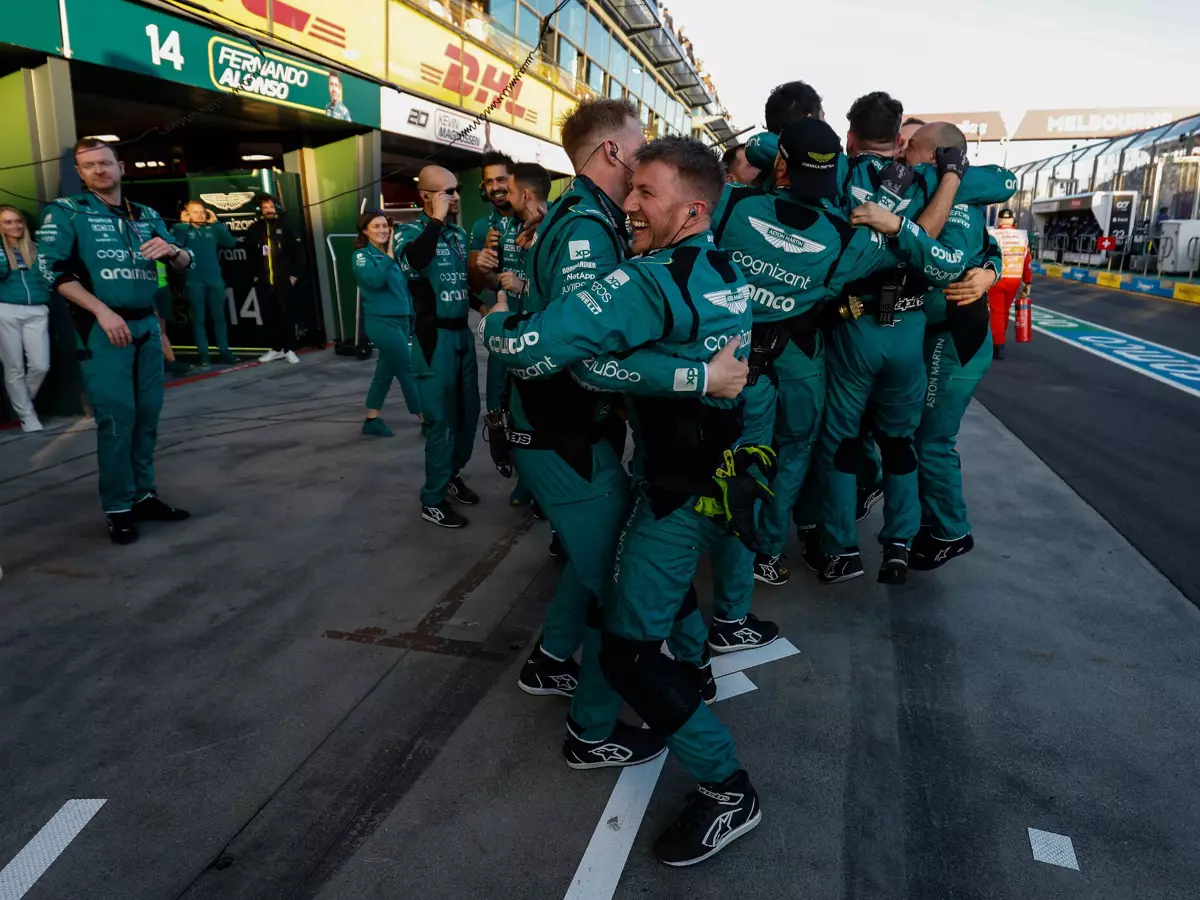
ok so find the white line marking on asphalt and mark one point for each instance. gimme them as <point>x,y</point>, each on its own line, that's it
<point>727,663</point>
<point>733,685</point>
<point>1054,849</point>
<point>40,853</point>
<point>604,859</point>
<point>1141,370</point>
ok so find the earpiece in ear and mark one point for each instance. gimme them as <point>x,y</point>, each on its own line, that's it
<point>692,212</point>
<point>613,151</point>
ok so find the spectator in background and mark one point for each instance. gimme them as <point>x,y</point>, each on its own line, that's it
<point>280,252</point>
<point>387,317</point>
<point>738,170</point>
<point>199,232</point>
<point>24,318</point>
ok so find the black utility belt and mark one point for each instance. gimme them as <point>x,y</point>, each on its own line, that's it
<point>458,323</point>
<point>885,312</point>
<point>904,304</point>
<point>552,440</point>
<point>132,315</point>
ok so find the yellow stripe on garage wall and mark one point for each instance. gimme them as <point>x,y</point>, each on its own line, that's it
<point>1054,271</point>
<point>1108,279</point>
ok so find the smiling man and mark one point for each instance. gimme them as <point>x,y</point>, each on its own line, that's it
<point>98,250</point>
<point>685,297</point>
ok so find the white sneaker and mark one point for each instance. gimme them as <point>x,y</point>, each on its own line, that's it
<point>291,357</point>
<point>30,424</point>
<point>271,356</point>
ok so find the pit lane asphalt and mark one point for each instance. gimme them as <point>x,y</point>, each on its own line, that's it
<point>1130,446</point>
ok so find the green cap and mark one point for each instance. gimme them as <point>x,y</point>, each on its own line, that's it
<point>762,149</point>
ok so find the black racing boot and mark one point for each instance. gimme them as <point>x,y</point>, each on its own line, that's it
<point>895,565</point>
<point>544,676</point>
<point>121,528</point>
<point>929,553</point>
<point>459,491</point>
<point>727,637</point>
<point>443,516</point>
<point>997,351</point>
<point>537,511</point>
<point>556,547</point>
<point>713,816</point>
<point>151,509</point>
<point>770,569</point>
<point>866,499</point>
<point>840,567</point>
<point>626,746</point>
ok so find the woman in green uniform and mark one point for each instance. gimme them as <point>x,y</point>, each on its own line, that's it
<point>387,316</point>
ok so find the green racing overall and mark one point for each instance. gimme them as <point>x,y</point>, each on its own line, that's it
<point>687,300</point>
<point>878,358</point>
<point>433,256</point>
<point>84,239</point>
<point>958,352</point>
<point>204,283</point>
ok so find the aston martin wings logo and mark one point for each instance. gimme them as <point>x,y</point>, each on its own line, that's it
<point>862,195</point>
<point>784,240</point>
<point>734,301</point>
<point>821,157</point>
<point>228,202</point>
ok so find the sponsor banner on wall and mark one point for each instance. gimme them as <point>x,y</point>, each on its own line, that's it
<point>413,116</point>
<point>136,38</point>
<point>433,60</point>
<point>977,126</point>
<point>354,33</point>
<point>1063,124</point>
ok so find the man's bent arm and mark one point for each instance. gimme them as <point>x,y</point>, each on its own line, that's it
<point>645,372</point>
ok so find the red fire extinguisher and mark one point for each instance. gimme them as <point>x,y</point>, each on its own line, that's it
<point>1024,319</point>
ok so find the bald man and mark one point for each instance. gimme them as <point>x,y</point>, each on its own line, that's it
<point>432,252</point>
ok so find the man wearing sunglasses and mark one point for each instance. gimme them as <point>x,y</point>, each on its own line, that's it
<point>432,252</point>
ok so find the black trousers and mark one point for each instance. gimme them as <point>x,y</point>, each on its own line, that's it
<point>278,319</point>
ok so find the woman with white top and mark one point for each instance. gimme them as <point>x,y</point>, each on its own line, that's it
<point>24,317</point>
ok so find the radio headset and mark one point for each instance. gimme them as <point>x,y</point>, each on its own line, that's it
<point>483,193</point>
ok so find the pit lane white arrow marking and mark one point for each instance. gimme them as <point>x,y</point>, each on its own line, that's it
<point>40,853</point>
<point>604,860</point>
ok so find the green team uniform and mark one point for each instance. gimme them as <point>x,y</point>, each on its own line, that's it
<point>796,255</point>
<point>204,283</point>
<point>508,227</point>
<point>387,320</point>
<point>83,239</point>
<point>687,300</point>
<point>434,260</point>
<point>883,365</point>
<point>958,352</point>
<point>558,439</point>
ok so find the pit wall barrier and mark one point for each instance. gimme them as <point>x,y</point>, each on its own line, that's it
<point>1123,281</point>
